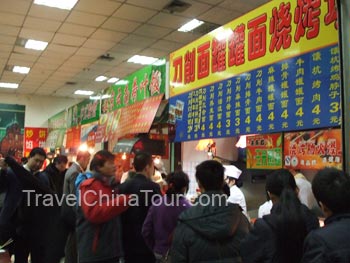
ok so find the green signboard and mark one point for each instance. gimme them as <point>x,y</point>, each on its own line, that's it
<point>144,83</point>
<point>84,112</point>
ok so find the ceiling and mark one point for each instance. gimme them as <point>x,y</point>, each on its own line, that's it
<point>78,37</point>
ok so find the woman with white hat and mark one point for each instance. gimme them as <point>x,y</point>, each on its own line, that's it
<point>232,173</point>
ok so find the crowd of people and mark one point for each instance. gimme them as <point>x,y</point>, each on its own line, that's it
<point>91,217</point>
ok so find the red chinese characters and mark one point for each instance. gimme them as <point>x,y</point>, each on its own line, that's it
<point>177,65</point>
<point>203,60</point>
<point>156,80</point>
<point>280,27</point>
<point>143,85</point>
<point>331,16</point>
<point>134,90</point>
<point>218,60</point>
<point>236,46</point>
<point>126,95</point>
<point>190,59</point>
<point>118,98</point>
<point>257,37</point>
<point>307,19</point>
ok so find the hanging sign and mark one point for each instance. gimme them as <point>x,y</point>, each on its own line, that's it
<point>274,69</point>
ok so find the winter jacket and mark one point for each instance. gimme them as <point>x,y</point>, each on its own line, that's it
<point>259,245</point>
<point>133,218</point>
<point>211,231</point>
<point>98,224</point>
<point>329,244</point>
<point>160,223</point>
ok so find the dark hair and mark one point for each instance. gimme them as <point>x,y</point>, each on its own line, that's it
<point>37,151</point>
<point>60,159</point>
<point>331,187</point>
<point>24,160</point>
<point>141,160</point>
<point>210,174</point>
<point>176,181</point>
<point>100,158</point>
<point>290,227</point>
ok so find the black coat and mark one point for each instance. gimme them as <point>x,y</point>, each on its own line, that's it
<point>329,244</point>
<point>209,233</point>
<point>133,218</point>
<point>259,245</point>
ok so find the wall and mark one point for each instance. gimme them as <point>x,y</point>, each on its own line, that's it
<point>225,148</point>
<point>38,108</point>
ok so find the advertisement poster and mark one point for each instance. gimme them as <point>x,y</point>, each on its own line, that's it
<point>264,151</point>
<point>12,130</point>
<point>34,137</point>
<point>313,149</point>
<point>73,137</point>
<point>138,117</point>
<point>272,70</point>
<point>55,138</point>
<point>88,134</point>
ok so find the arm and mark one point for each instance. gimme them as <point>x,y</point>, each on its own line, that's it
<point>147,228</point>
<point>98,210</point>
<point>26,178</point>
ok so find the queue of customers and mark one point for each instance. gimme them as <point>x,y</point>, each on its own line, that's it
<point>134,222</point>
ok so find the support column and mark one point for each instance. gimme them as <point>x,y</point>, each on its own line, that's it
<point>344,44</point>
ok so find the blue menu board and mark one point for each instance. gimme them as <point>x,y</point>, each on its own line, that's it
<point>298,93</point>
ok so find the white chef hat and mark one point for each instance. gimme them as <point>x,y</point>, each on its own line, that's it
<point>232,171</point>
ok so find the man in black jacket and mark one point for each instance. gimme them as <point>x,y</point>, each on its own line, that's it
<point>330,243</point>
<point>212,230</point>
<point>144,189</point>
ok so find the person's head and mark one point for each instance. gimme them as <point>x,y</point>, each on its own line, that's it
<point>231,174</point>
<point>210,176</point>
<point>177,182</point>
<point>331,190</point>
<point>83,158</point>
<point>289,223</point>
<point>60,162</point>
<point>36,159</point>
<point>103,162</point>
<point>143,164</point>
<point>280,180</point>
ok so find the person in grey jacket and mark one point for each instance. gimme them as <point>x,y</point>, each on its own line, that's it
<point>331,243</point>
<point>212,230</point>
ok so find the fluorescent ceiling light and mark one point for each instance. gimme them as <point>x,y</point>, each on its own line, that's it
<point>194,23</point>
<point>137,59</point>
<point>22,70</point>
<point>112,80</point>
<point>35,44</point>
<point>83,92</point>
<point>98,97</point>
<point>62,4</point>
<point>100,78</point>
<point>8,85</point>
